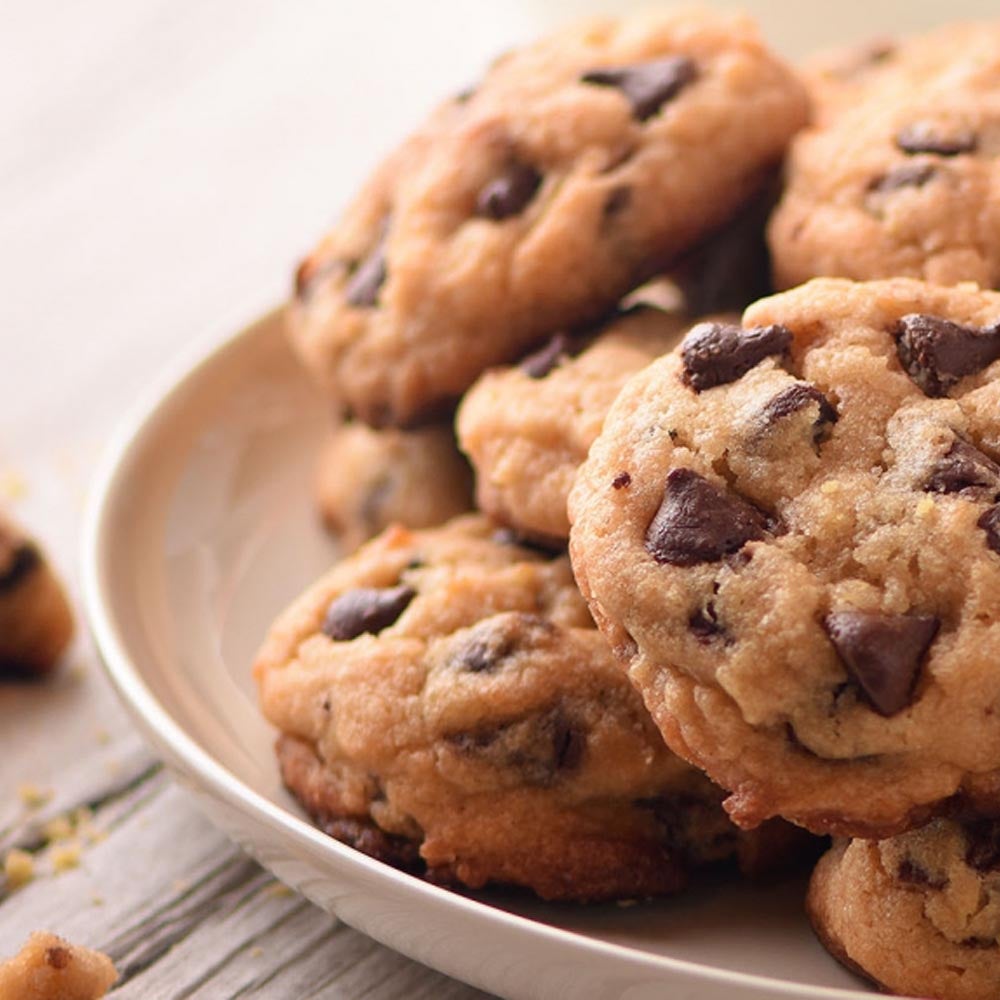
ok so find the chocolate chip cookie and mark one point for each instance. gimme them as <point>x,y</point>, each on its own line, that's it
<point>899,175</point>
<point>368,479</point>
<point>578,167</point>
<point>447,706</point>
<point>527,428</point>
<point>36,624</point>
<point>919,914</point>
<point>790,531</point>
<point>50,968</point>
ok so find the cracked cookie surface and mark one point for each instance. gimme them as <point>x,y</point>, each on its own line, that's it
<point>448,706</point>
<point>899,174</point>
<point>577,168</point>
<point>790,532</point>
<point>527,428</point>
<point>919,913</point>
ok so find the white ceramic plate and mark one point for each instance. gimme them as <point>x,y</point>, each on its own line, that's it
<point>201,529</point>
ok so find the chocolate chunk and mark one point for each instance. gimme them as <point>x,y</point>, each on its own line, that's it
<point>622,481</point>
<point>649,85</point>
<point>926,137</point>
<point>906,176</point>
<point>990,523</point>
<point>368,277</point>
<point>58,958</point>
<point>965,469</point>
<point>882,653</point>
<point>704,624</point>
<point>913,874</point>
<point>617,200</point>
<point>540,748</point>
<point>980,943</point>
<point>698,522</point>
<point>366,609</point>
<point>718,353</point>
<point>488,643</point>
<point>937,353</point>
<point>544,360</point>
<point>982,840</point>
<point>509,193</point>
<point>797,397</point>
<point>23,562</point>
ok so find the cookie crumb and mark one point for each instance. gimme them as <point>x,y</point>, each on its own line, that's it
<point>256,951</point>
<point>18,868</point>
<point>925,507</point>
<point>278,890</point>
<point>57,829</point>
<point>32,796</point>
<point>830,486</point>
<point>66,856</point>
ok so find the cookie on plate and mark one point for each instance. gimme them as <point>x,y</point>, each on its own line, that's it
<point>527,428</point>
<point>447,706</point>
<point>919,914</point>
<point>790,532</point>
<point>578,167</point>
<point>899,175</point>
<point>367,479</point>
<point>36,623</point>
<point>50,968</point>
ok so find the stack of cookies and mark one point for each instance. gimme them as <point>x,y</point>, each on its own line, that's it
<point>733,581</point>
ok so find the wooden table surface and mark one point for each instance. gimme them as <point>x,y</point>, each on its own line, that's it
<point>163,165</point>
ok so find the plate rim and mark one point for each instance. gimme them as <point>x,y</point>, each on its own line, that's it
<point>182,752</point>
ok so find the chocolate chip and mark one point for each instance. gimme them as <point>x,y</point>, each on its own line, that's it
<point>797,397</point>
<point>882,653</point>
<point>982,844</point>
<point>906,176</point>
<point>980,943</point>
<point>621,481</point>
<point>508,193</point>
<point>617,200</point>
<point>482,653</point>
<point>366,609</point>
<point>544,360</point>
<point>926,137</point>
<point>704,624</point>
<point>990,523</point>
<point>368,277</point>
<point>913,874</point>
<point>965,469</point>
<point>540,748</point>
<point>58,958</point>
<point>24,560</point>
<point>937,353</point>
<point>647,86</point>
<point>718,353</point>
<point>698,522</point>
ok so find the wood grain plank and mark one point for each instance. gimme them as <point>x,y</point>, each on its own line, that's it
<point>186,914</point>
